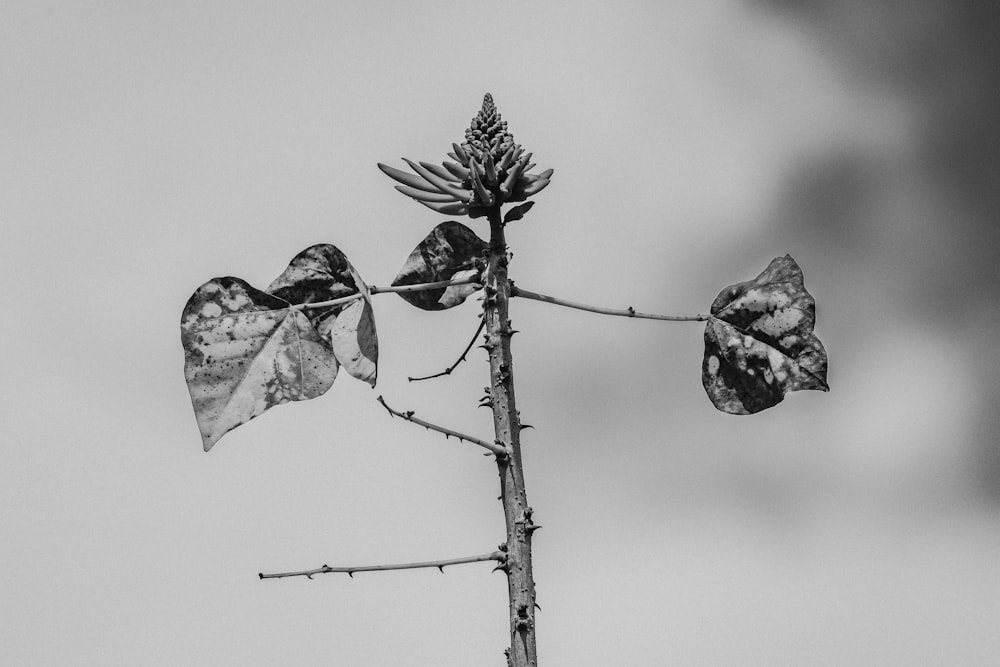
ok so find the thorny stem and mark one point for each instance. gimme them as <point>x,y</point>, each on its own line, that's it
<point>628,312</point>
<point>498,556</point>
<point>517,513</point>
<point>448,370</point>
<point>496,448</point>
<point>392,288</point>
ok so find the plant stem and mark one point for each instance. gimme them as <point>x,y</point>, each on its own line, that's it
<point>498,556</point>
<point>517,513</point>
<point>628,312</point>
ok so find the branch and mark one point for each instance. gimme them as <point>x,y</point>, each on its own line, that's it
<point>419,287</point>
<point>408,416</point>
<point>498,556</point>
<point>628,312</point>
<point>448,370</point>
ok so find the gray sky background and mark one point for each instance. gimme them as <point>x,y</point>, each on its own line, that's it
<point>147,147</point>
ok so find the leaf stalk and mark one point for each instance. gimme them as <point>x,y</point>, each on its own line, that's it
<point>627,312</point>
<point>419,287</point>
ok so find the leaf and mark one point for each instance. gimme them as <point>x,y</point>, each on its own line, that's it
<point>518,212</point>
<point>318,273</point>
<point>355,343</point>
<point>759,342</point>
<point>322,273</point>
<point>246,351</point>
<point>450,250</point>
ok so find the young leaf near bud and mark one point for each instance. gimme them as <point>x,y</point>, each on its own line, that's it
<point>517,212</point>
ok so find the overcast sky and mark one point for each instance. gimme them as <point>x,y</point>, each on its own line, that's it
<point>147,147</point>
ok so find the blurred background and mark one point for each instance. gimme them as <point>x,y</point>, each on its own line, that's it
<point>147,147</point>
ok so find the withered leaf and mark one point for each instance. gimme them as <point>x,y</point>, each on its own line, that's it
<point>323,273</point>
<point>449,251</point>
<point>246,351</point>
<point>759,342</point>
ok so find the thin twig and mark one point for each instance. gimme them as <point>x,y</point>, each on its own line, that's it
<point>628,312</point>
<point>408,416</point>
<point>498,556</point>
<point>419,287</point>
<point>448,370</point>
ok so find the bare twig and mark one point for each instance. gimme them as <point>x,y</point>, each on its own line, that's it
<point>419,287</point>
<point>408,416</point>
<point>448,370</point>
<point>628,312</point>
<point>498,556</point>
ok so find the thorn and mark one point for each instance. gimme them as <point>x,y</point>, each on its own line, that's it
<point>538,606</point>
<point>350,573</point>
<point>532,528</point>
<point>441,567</point>
<point>524,426</point>
<point>309,576</point>
<point>501,566</point>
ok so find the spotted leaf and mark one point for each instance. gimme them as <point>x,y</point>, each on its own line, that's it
<point>246,351</point>
<point>759,342</point>
<point>451,250</point>
<point>322,273</point>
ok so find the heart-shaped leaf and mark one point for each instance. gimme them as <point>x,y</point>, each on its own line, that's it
<point>322,273</point>
<point>449,251</point>
<point>759,342</point>
<point>246,351</point>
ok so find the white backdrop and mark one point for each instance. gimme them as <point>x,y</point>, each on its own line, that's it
<point>147,147</point>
